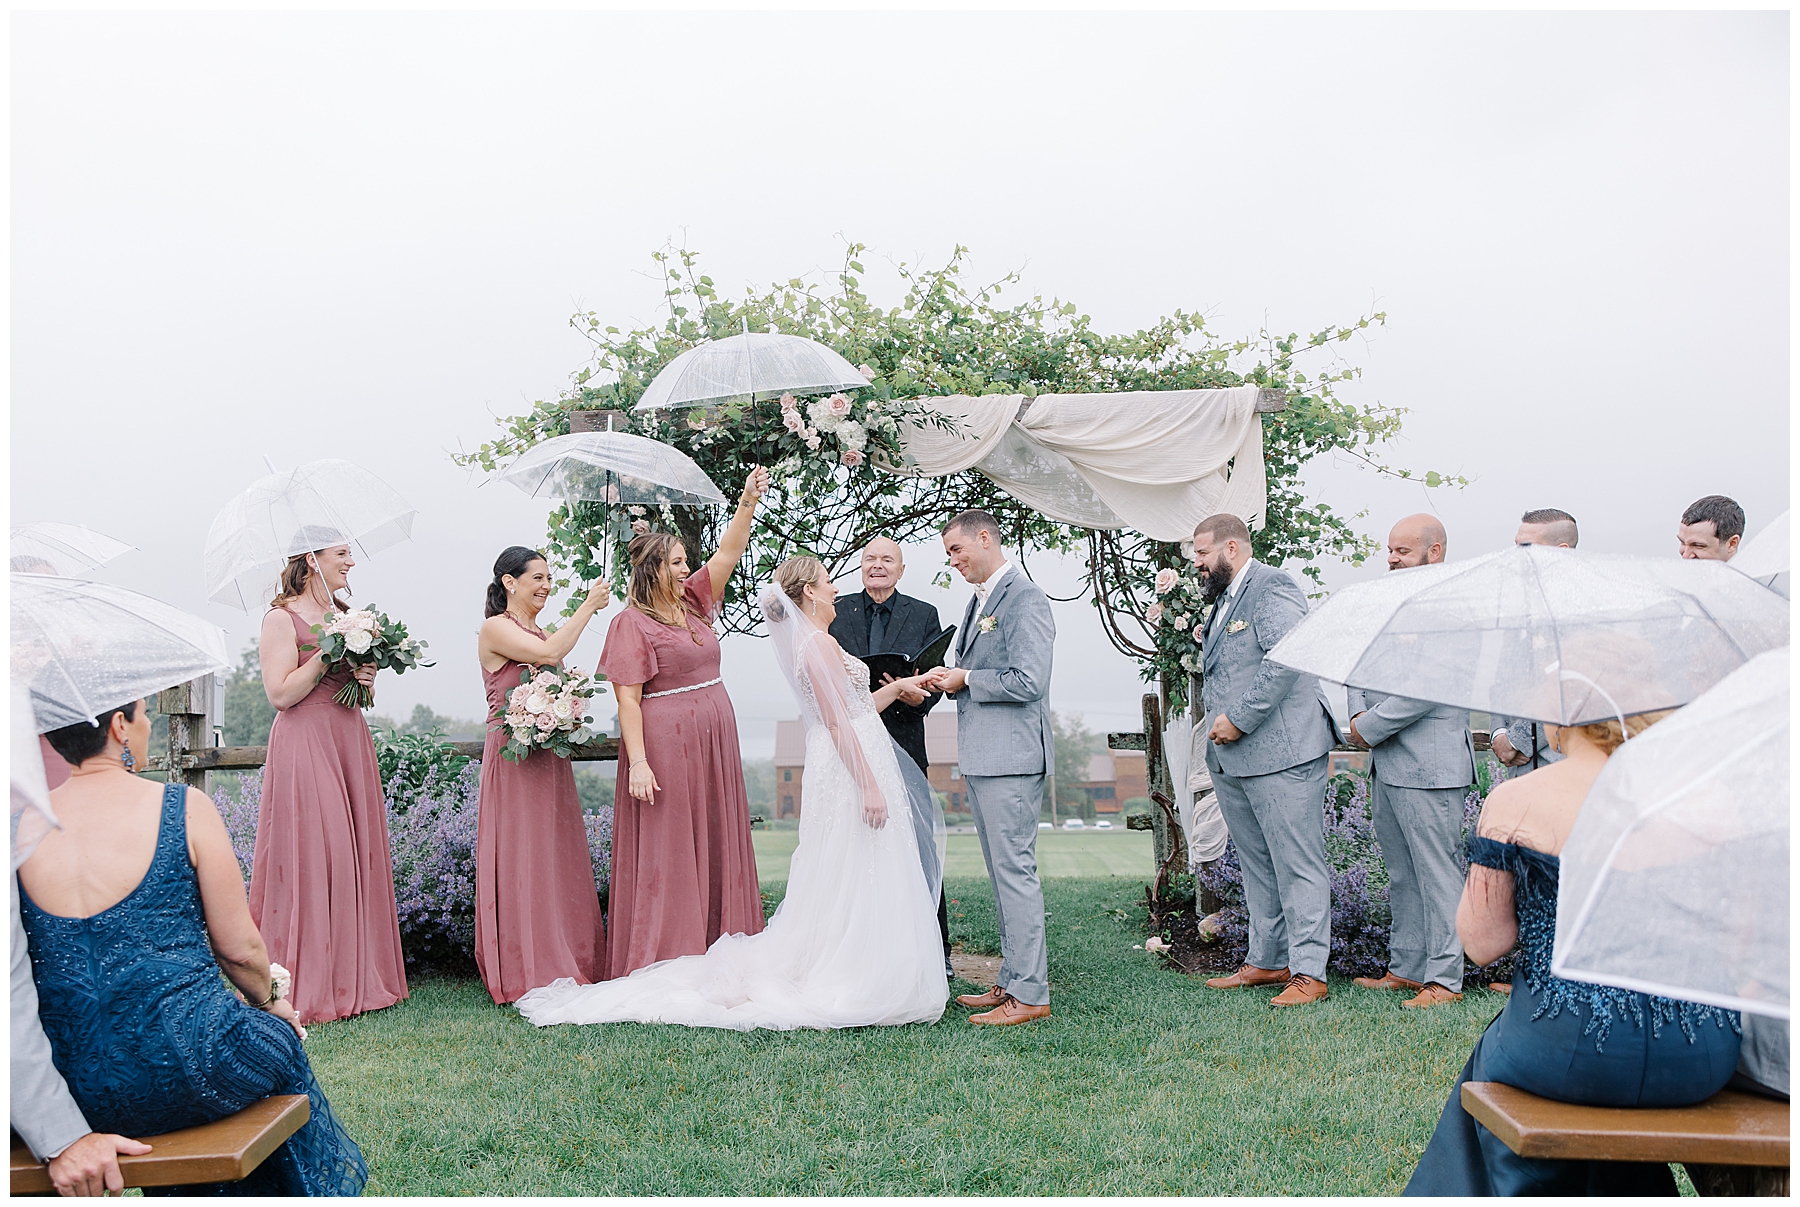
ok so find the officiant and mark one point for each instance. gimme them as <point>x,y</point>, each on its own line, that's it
<point>880,620</point>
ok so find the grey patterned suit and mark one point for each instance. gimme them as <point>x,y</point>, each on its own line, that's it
<point>1421,763</point>
<point>1005,747</point>
<point>44,1113</point>
<point>1271,782</point>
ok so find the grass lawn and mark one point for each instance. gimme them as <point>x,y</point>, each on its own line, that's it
<point>1118,852</point>
<point>1143,1082</point>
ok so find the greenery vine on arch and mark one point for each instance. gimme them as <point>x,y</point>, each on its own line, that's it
<point>831,494</point>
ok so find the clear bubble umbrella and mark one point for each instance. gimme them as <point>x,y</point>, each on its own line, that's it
<point>1765,556</point>
<point>315,506</point>
<point>749,366</point>
<point>80,647</point>
<point>1674,880</point>
<point>1543,633</point>
<point>50,548</point>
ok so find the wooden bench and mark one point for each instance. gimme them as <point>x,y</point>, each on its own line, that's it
<point>1733,1143</point>
<point>226,1150</point>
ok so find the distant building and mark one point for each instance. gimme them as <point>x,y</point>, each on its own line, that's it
<point>1111,779</point>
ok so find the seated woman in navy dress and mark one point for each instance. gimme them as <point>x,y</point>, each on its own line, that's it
<point>133,908</point>
<point>1574,1042</point>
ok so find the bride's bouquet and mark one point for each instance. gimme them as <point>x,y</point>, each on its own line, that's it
<point>365,637</point>
<point>547,711</point>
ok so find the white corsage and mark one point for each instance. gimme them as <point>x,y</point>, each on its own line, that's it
<point>988,624</point>
<point>1237,626</point>
<point>280,979</point>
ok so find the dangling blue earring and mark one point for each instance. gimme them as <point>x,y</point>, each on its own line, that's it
<point>125,758</point>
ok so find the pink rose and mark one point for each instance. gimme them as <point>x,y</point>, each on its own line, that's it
<point>1166,579</point>
<point>1199,630</point>
<point>788,402</point>
<point>868,373</point>
<point>792,421</point>
<point>838,405</point>
<point>1154,614</point>
<point>852,457</point>
<point>546,721</point>
<point>640,527</point>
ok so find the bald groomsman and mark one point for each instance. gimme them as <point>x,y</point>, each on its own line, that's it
<point>1524,743</point>
<point>1421,763</point>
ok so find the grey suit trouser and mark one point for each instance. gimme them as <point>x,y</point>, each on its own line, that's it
<point>1419,831</point>
<point>1006,817</point>
<point>1277,824</point>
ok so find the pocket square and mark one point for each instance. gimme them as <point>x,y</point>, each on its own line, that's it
<point>1237,626</point>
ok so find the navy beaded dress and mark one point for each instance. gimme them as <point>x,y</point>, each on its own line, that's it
<point>150,1039</point>
<point>1573,1042</point>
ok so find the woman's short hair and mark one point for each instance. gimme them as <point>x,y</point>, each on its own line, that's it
<point>1609,736</point>
<point>513,561</point>
<point>81,741</point>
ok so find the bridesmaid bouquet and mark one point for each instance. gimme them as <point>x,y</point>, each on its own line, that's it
<point>365,637</point>
<point>547,711</point>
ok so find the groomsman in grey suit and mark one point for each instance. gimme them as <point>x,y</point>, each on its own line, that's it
<point>1001,683</point>
<point>1421,764</point>
<point>1524,743</point>
<point>1269,731</point>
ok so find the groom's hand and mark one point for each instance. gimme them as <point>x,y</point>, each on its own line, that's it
<point>1223,731</point>
<point>950,680</point>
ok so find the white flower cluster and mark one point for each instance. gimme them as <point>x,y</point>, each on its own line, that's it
<point>551,701</point>
<point>829,416</point>
<point>358,628</point>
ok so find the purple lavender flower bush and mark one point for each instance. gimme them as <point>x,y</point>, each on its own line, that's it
<point>1360,916</point>
<point>431,829</point>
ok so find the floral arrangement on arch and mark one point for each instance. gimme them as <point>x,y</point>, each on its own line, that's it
<point>547,711</point>
<point>1178,615</point>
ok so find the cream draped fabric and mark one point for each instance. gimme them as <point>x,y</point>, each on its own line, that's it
<point>1156,461</point>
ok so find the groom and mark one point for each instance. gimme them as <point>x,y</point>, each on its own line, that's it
<point>1001,683</point>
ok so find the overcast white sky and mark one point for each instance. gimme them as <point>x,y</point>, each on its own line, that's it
<point>349,235</point>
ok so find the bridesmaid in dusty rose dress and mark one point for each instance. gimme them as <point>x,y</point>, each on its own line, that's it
<point>322,878</point>
<point>683,871</point>
<point>537,913</point>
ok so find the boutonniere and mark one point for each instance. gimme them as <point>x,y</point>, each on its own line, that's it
<point>1237,626</point>
<point>988,624</point>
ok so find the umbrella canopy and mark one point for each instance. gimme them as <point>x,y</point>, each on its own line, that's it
<point>611,467</point>
<point>48,548</point>
<point>749,366</point>
<point>1543,633</point>
<point>1674,880</point>
<point>1764,556</point>
<point>82,647</point>
<point>32,817</point>
<point>315,506</point>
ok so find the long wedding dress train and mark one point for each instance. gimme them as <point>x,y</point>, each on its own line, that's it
<point>854,943</point>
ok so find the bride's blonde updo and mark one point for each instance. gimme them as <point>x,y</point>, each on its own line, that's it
<point>1608,735</point>
<point>793,577</point>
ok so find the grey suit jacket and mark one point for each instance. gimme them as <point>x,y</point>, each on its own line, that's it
<point>1003,714</point>
<point>1414,744</point>
<point>1522,734</point>
<point>44,1113</point>
<point>1283,717</point>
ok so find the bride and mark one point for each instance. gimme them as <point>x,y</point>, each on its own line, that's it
<point>855,942</point>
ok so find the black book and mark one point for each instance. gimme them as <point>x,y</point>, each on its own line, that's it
<point>900,666</point>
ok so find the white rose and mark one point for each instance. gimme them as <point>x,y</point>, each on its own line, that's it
<point>537,701</point>
<point>358,641</point>
<point>562,709</point>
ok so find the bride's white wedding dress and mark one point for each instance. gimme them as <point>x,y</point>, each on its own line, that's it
<point>855,941</point>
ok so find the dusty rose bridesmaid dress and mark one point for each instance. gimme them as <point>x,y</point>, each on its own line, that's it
<point>537,912</point>
<point>322,878</point>
<point>683,870</point>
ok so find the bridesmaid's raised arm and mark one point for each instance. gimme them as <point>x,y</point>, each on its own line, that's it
<point>737,533</point>
<point>285,681</point>
<point>501,639</point>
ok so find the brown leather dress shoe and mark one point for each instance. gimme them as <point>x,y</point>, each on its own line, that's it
<point>1010,1013</point>
<point>1250,974</point>
<point>1302,990</point>
<point>1388,980</point>
<point>983,1001</point>
<point>1433,994</point>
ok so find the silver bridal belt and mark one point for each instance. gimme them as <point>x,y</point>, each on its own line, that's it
<point>676,691</point>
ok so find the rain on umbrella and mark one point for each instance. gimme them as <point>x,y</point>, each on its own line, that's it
<point>82,647</point>
<point>1674,880</point>
<point>314,506</point>
<point>748,367</point>
<point>1765,556</point>
<point>611,468</point>
<point>1543,633</point>
<point>62,549</point>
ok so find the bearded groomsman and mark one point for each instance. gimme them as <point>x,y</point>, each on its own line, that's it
<point>1269,732</point>
<point>1421,763</point>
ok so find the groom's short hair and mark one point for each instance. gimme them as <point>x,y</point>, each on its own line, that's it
<point>973,521</point>
<point>1224,527</point>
